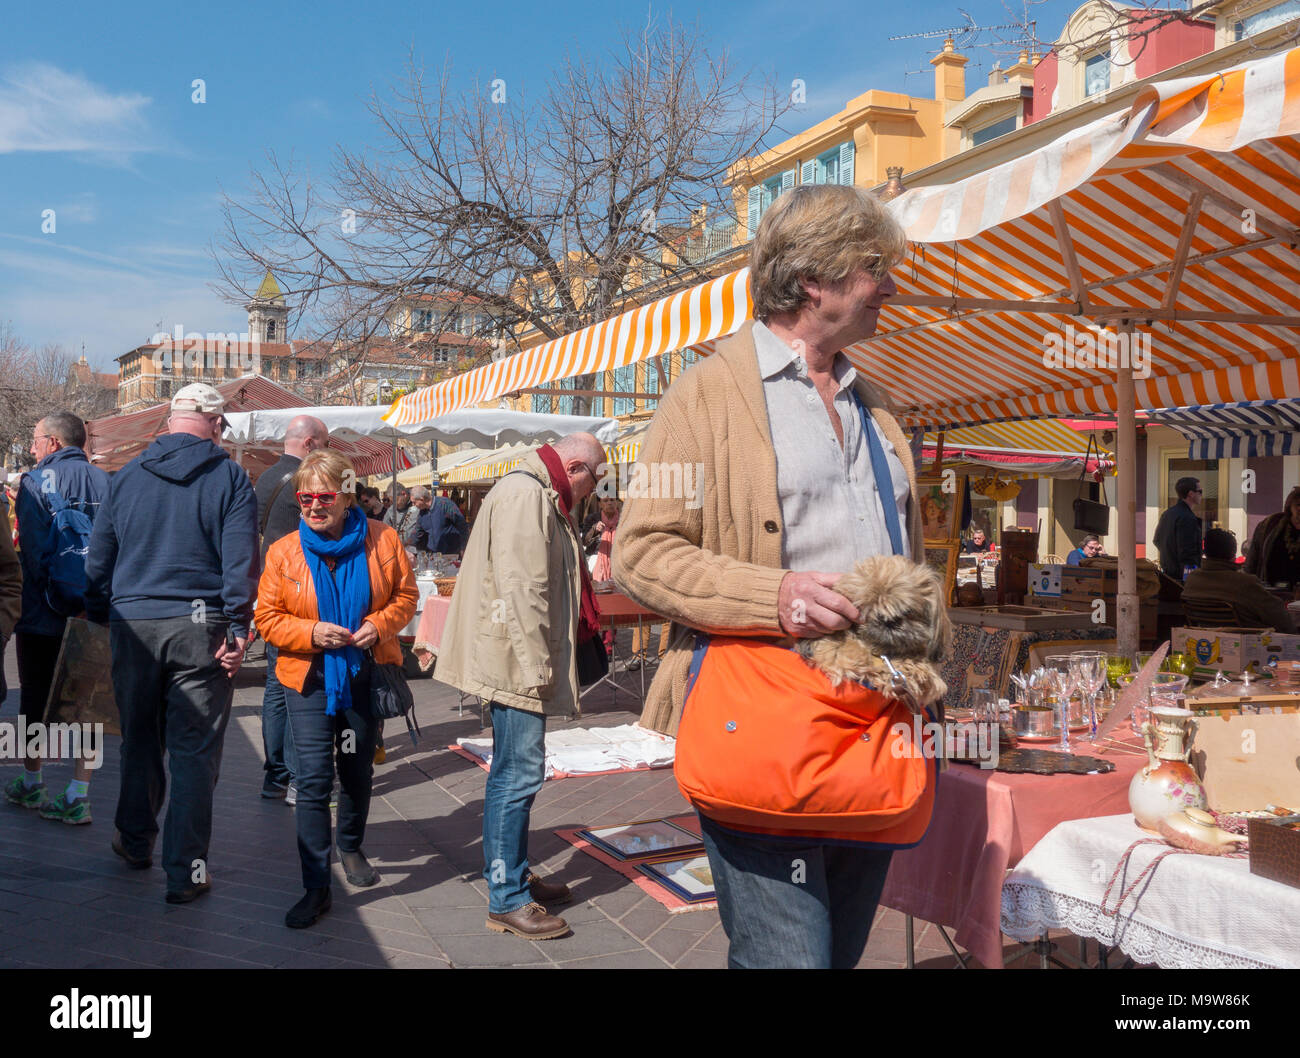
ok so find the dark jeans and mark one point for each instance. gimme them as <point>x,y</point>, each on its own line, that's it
<point>790,904</point>
<point>36,655</point>
<point>173,695</point>
<point>518,767</point>
<point>277,739</point>
<point>319,741</point>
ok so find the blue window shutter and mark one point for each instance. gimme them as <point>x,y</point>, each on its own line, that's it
<point>846,162</point>
<point>625,382</point>
<point>808,172</point>
<point>787,180</point>
<point>755,208</point>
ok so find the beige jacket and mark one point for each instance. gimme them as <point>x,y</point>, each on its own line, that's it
<point>514,614</point>
<point>716,565</point>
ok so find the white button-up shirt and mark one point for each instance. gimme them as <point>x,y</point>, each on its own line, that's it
<point>830,509</point>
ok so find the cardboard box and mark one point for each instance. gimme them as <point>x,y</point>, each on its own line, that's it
<point>1045,579</point>
<point>1226,650</point>
<point>1082,582</point>
<point>1270,648</point>
<point>1148,614</point>
<point>1248,762</point>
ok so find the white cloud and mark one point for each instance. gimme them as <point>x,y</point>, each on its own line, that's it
<point>44,108</point>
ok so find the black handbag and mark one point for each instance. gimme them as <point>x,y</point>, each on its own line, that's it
<point>1089,515</point>
<point>593,661</point>
<point>390,696</point>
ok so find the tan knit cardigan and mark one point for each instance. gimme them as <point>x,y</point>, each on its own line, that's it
<point>713,562</point>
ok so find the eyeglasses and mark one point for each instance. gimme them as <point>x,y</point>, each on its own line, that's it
<point>325,499</point>
<point>587,466</point>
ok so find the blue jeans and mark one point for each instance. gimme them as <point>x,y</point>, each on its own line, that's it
<point>518,758</point>
<point>277,738</point>
<point>347,737</point>
<point>792,904</point>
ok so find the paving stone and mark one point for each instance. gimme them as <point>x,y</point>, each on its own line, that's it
<point>492,949</point>
<point>638,959</point>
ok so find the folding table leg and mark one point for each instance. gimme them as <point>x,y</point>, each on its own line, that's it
<point>911,946</point>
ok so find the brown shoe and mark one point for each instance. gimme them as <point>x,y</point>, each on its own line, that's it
<point>545,892</point>
<point>532,921</point>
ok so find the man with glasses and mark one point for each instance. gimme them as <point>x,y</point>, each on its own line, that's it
<point>1178,533</point>
<point>173,572</point>
<point>278,516</point>
<point>511,638</point>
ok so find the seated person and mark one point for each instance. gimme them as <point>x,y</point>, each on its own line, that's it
<point>1274,554</point>
<point>978,543</point>
<point>1089,548</point>
<point>1219,580</point>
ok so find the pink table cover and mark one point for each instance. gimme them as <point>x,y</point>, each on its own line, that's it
<point>984,822</point>
<point>428,635</point>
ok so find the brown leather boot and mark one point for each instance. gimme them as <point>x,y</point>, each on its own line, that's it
<point>547,892</point>
<point>532,921</point>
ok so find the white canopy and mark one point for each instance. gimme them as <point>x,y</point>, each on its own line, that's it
<point>486,427</point>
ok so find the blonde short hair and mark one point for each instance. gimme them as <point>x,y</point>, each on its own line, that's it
<point>329,468</point>
<point>823,232</point>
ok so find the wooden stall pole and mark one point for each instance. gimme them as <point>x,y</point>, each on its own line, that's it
<point>1126,620</point>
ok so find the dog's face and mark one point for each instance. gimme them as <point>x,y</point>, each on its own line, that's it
<point>901,607</point>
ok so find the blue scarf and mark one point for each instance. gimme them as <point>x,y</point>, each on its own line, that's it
<point>341,599</point>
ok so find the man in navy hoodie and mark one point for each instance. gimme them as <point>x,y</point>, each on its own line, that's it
<point>173,570</point>
<point>61,470</point>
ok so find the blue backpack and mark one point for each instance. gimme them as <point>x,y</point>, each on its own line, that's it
<point>67,544</point>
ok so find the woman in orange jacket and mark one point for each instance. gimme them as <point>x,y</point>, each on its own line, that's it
<point>332,599</point>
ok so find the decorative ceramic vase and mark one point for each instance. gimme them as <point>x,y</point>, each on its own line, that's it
<point>1167,785</point>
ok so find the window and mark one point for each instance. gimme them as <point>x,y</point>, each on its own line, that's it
<point>651,380</point>
<point>423,320</point>
<point>541,402</point>
<point>625,382</point>
<point>1096,74</point>
<point>1266,19</point>
<point>270,330</point>
<point>689,356</point>
<point>831,167</point>
<point>991,132</point>
<point>1207,472</point>
<point>762,196</point>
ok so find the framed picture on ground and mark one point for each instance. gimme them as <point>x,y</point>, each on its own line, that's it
<point>939,500</point>
<point>687,877</point>
<point>942,558</point>
<point>648,837</point>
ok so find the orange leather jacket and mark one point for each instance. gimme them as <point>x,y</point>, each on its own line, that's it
<point>287,610</point>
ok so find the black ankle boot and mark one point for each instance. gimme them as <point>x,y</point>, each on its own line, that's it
<point>314,903</point>
<point>357,869</point>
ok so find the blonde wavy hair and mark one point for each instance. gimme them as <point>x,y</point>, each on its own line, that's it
<point>329,468</point>
<point>823,232</point>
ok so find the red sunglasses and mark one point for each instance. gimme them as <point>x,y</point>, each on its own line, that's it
<point>325,499</point>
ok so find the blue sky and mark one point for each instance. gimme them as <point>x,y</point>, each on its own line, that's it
<point>97,121</point>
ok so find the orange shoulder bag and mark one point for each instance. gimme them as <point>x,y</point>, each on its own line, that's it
<point>766,743</point>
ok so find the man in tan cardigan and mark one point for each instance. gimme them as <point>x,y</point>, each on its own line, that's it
<point>790,501</point>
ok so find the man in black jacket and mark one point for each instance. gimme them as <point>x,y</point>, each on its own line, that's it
<point>1178,533</point>
<point>278,515</point>
<point>172,569</point>
<point>441,527</point>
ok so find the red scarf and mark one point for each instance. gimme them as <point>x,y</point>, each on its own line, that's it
<point>588,614</point>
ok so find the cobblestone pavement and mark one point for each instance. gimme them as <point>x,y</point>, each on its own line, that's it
<point>67,901</point>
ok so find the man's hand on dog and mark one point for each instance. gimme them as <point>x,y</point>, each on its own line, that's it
<point>808,607</point>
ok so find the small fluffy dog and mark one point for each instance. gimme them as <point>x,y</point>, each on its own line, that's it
<point>902,616</point>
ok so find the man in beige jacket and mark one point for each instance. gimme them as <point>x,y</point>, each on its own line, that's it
<point>793,494</point>
<point>510,639</point>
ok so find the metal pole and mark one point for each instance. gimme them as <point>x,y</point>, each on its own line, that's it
<point>1126,621</point>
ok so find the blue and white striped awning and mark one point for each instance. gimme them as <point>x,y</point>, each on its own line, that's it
<point>1250,428</point>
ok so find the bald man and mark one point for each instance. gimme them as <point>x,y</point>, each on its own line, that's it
<point>278,515</point>
<point>513,642</point>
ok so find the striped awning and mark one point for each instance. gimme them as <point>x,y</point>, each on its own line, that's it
<point>1219,431</point>
<point>1028,449</point>
<point>1180,213</point>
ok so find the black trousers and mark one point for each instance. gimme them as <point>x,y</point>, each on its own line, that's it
<point>36,655</point>
<point>173,695</point>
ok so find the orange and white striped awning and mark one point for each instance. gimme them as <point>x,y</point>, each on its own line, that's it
<point>1180,214</point>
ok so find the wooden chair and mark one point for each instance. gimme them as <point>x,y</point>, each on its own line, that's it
<point>1210,613</point>
<point>1053,560</point>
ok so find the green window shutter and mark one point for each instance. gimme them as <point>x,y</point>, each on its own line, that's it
<point>846,162</point>
<point>755,208</point>
<point>787,181</point>
<point>808,172</point>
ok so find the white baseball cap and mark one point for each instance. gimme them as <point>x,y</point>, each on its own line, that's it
<point>199,396</point>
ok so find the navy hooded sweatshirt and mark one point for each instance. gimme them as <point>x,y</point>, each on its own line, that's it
<point>179,529</point>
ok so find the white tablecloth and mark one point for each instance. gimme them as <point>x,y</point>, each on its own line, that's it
<point>1190,912</point>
